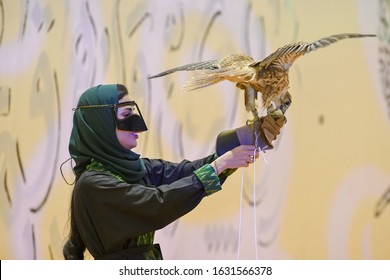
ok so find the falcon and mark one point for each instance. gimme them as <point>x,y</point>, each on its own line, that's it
<point>269,77</point>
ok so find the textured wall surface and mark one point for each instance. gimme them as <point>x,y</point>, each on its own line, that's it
<point>325,191</point>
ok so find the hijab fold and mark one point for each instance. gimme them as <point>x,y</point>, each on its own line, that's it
<point>93,136</point>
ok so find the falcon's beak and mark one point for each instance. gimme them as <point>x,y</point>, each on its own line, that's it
<point>285,102</point>
<point>279,108</point>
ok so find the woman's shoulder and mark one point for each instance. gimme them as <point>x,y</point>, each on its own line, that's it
<point>96,178</point>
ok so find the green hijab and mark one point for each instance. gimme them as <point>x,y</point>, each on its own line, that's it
<point>93,136</point>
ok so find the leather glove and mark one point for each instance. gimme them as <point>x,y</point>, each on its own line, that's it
<point>271,127</point>
<point>266,129</point>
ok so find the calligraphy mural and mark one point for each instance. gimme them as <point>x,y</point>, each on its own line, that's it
<point>321,193</point>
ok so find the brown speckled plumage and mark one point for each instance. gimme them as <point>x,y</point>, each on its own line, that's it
<point>268,76</point>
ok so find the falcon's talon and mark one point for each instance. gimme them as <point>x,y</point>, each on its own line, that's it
<point>255,118</point>
<point>250,122</point>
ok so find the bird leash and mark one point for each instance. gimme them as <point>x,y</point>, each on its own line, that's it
<point>257,149</point>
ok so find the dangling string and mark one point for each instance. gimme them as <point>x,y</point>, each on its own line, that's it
<point>240,215</point>
<point>254,199</point>
<point>257,149</point>
<point>62,173</point>
<point>254,190</point>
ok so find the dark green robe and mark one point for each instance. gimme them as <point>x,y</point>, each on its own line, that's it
<point>112,215</point>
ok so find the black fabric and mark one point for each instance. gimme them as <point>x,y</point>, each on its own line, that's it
<point>226,141</point>
<point>110,213</point>
<point>134,253</point>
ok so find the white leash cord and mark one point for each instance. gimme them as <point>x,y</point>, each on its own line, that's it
<point>240,215</point>
<point>254,199</point>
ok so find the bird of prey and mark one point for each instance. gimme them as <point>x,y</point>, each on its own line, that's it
<point>269,76</point>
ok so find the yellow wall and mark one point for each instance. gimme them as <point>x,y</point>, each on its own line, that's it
<point>325,190</point>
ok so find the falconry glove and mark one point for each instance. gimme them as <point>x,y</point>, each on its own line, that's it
<point>260,133</point>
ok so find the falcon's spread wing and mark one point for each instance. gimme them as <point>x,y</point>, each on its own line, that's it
<point>289,53</point>
<point>235,68</point>
<point>205,65</point>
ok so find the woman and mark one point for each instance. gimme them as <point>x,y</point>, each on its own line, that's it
<point>120,200</point>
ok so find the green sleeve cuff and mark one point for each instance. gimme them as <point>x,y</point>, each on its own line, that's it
<point>209,179</point>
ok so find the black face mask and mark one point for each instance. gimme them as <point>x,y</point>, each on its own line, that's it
<point>131,117</point>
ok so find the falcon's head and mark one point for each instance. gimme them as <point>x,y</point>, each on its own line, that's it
<point>280,104</point>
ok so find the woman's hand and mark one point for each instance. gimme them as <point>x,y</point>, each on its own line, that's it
<point>240,156</point>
